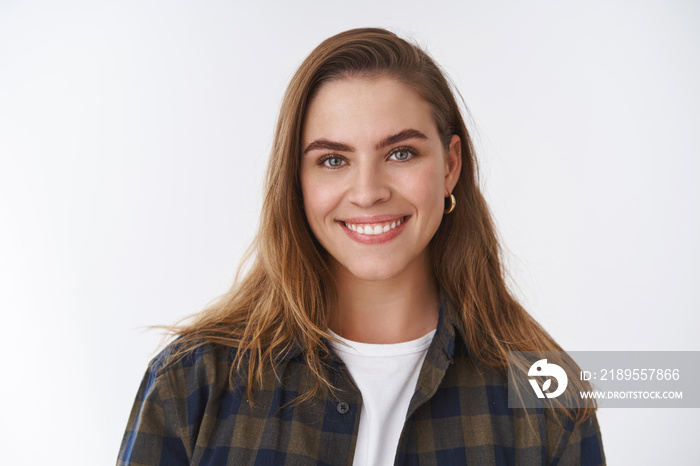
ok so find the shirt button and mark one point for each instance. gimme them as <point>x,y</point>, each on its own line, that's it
<point>343,407</point>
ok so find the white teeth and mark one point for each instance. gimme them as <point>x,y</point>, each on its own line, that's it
<point>376,230</point>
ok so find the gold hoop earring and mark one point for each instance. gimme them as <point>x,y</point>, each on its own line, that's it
<point>453,203</point>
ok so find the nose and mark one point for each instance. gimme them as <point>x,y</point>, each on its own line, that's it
<point>369,186</point>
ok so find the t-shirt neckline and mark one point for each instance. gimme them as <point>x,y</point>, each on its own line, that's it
<point>382,349</point>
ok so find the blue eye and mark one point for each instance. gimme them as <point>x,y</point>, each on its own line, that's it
<point>333,161</point>
<point>403,154</point>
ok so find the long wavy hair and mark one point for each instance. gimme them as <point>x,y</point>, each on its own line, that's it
<point>281,300</point>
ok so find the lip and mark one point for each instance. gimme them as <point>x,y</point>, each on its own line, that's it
<point>375,239</point>
<point>373,219</point>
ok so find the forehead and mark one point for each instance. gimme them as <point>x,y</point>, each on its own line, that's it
<point>366,108</point>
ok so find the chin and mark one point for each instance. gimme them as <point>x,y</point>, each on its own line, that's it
<point>373,277</point>
<point>374,272</point>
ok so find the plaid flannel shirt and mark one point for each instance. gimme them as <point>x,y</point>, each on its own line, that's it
<point>188,413</point>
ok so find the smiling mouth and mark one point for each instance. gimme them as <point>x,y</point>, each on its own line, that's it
<point>374,229</point>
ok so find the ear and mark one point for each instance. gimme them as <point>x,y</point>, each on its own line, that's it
<point>453,164</point>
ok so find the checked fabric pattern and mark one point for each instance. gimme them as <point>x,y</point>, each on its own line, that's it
<point>187,413</point>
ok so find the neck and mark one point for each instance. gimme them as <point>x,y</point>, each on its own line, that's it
<point>402,308</point>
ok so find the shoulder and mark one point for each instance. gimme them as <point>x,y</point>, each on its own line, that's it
<point>179,388</point>
<point>194,381</point>
<point>181,368</point>
<point>541,431</point>
<point>573,443</point>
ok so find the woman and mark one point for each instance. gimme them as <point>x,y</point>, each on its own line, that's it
<point>374,324</point>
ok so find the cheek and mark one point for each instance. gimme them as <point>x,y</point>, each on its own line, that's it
<point>426,188</point>
<point>319,200</point>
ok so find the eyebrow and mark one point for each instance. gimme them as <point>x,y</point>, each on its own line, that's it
<point>387,141</point>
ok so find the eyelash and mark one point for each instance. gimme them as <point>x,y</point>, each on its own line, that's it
<point>411,150</point>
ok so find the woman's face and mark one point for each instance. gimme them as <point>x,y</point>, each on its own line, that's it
<point>374,175</point>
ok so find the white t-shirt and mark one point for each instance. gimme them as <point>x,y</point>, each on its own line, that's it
<point>386,376</point>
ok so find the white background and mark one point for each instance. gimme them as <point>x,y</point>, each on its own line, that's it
<point>134,135</point>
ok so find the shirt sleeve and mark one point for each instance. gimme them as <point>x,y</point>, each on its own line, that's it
<point>581,444</point>
<point>151,436</point>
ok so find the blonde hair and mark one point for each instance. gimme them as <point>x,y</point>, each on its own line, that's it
<point>280,303</point>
